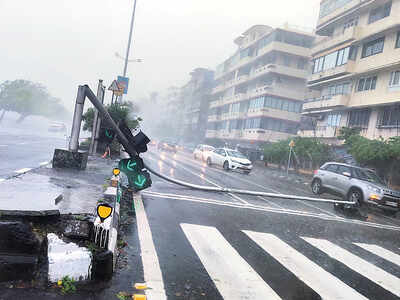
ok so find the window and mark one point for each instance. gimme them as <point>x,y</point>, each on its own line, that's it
<point>337,89</point>
<point>343,56</point>
<point>380,12</point>
<point>389,116</point>
<point>359,118</point>
<point>286,60</point>
<point>333,120</point>
<point>350,23</point>
<point>398,40</point>
<point>331,5</point>
<point>394,79</point>
<point>318,64</point>
<point>301,63</point>
<point>373,47</point>
<point>342,169</point>
<point>331,168</point>
<point>365,84</point>
<point>330,61</point>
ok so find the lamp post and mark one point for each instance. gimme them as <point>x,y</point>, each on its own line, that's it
<point>129,42</point>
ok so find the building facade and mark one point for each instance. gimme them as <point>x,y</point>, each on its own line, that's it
<point>195,98</point>
<point>259,91</point>
<point>355,78</point>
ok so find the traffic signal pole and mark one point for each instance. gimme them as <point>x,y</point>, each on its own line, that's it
<point>77,120</point>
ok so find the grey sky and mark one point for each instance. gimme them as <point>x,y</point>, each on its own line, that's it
<point>64,43</point>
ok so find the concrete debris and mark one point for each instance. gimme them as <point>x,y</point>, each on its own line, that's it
<point>77,229</point>
<point>67,259</point>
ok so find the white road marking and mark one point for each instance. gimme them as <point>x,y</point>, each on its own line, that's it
<point>44,163</point>
<point>24,170</point>
<point>274,210</point>
<point>211,182</point>
<point>151,266</point>
<point>325,284</point>
<point>264,187</point>
<point>382,252</point>
<point>3,145</point>
<point>234,278</point>
<point>270,202</point>
<point>366,269</point>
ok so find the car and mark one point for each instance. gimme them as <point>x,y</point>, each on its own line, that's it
<point>355,184</point>
<point>229,159</point>
<point>57,127</point>
<point>167,145</point>
<point>201,151</point>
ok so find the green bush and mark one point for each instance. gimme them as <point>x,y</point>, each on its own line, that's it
<point>305,150</point>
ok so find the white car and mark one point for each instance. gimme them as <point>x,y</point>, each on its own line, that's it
<point>230,160</point>
<point>202,151</point>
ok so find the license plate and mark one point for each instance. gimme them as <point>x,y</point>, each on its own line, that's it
<point>394,204</point>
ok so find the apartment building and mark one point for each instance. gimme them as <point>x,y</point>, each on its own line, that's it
<point>260,89</point>
<point>355,80</point>
<point>195,98</point>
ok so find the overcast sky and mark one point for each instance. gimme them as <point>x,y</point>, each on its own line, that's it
<point>64,43</point>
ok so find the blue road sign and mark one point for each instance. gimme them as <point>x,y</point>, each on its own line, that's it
<point>124,82</point>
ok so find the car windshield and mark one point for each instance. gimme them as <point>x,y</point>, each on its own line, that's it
<point>236,154</point>
<point>368,175</point>
<point>208,148</point>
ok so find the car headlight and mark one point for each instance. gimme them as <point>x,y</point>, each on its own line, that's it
<point>375,189</point>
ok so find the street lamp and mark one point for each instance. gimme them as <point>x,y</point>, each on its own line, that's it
<point>129,41</point>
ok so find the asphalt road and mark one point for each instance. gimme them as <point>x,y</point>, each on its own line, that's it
<point>26,146</point>
<point>199,245</point>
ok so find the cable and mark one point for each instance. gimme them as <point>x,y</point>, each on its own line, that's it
<point>243,192</point>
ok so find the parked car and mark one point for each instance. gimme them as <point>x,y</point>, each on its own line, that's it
<point>229,159</point>
<point>167,145</point>
<point>202,151</point>
<point>355,184</point>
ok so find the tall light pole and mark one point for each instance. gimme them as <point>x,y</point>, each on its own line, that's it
<point>129,41</point>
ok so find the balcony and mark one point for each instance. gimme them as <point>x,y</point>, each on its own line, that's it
<point>350,34</point>
<point>284,47</point>
<point>325,103</point>
<point>275,113</point>
<point>263,135</point>
<point>337,12</point>
<point>279,69</point>
<point>211,133</point>
<point>321,132</point>
<point>216,103</point>
<point>348,68</point>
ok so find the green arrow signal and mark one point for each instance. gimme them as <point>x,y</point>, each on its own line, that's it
<point>140,181</point>
<point>130,164</point>
<point>109,135</point>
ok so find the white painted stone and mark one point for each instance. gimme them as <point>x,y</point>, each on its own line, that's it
<point>111,191</point>
<point>67,259</point>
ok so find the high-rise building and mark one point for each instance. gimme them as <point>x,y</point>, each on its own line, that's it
<point>195,96</point>
<point>355,80</point>
<point>260,89</point>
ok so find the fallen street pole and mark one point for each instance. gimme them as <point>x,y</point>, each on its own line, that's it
<point>132,152</point>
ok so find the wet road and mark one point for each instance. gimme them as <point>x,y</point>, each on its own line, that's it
<point>198,245</point>
<point>21,150</point>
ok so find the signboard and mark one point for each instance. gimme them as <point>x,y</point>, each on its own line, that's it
<point>123,82</point>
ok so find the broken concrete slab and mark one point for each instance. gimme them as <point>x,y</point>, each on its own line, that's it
<point>30,192</point>
<point>67,259</point>
<point>17,267</point>
<point>77,229</point>
<point>71,160</point>
<point>18,238</point>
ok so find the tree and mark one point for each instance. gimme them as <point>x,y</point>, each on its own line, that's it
<point>117,112</point>
<point>29,98</point>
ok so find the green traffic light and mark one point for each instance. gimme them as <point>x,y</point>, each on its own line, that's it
<point>140,181</point>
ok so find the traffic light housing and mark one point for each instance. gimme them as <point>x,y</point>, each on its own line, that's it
<point>106,135</point>
<point>138,176</point>
<point>138,141</point>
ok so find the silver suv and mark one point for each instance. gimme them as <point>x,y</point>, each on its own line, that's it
<point>355,184</point>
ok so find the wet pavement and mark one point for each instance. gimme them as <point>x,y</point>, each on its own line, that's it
<point>190,244</point>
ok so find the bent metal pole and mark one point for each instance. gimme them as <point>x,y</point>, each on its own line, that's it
<point>77,120</point>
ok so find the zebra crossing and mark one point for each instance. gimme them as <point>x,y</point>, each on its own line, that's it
<point>236,279</point>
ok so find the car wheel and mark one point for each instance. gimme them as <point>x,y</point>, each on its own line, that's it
<point>247,172</point>
<point>355,195</point>
<point>226,166</point>
<point>316,187</point>
<point>209,161</point>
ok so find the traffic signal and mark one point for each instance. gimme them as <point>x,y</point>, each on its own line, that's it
<point>138,176</point>
<point>138,139</point>
<point>106,135</point>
